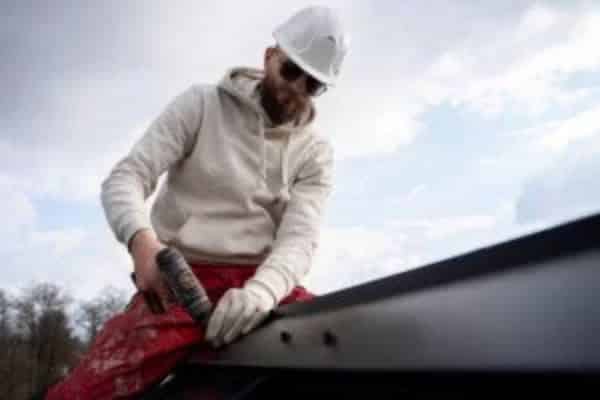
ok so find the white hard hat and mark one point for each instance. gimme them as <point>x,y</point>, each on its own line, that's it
<point>315,40</point>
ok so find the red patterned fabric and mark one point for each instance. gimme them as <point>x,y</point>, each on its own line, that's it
<point>137,349</point>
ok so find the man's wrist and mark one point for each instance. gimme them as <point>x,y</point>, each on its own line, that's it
<point>138,236</point>
<point>273,282</point>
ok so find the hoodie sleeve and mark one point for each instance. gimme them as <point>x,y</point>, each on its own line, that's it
<point>298,234</point>
<point>168,139</point>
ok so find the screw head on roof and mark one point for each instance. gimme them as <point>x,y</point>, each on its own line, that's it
<point>286,337</point>
<point>329,338</point>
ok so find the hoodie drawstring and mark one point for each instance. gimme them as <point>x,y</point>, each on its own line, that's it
<point>284,154</point>
<point>284,160</point>
<point>261,131</point>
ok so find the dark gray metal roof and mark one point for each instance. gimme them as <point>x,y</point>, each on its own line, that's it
<point>526,310</point>
<point>530,304</point>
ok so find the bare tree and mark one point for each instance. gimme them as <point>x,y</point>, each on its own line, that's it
<point>7,353</point>
<point>94,313</point>
<point>4,316</point>
<point>38,342</point>
<point>43,326</point>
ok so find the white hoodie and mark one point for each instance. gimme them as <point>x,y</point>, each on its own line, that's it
<point>238,190</point>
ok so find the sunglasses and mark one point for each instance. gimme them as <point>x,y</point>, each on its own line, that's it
<point>290,72</point>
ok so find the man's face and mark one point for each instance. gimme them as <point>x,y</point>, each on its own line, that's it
<point>286,89</point>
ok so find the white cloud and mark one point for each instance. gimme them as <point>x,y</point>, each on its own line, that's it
<point>514,65</point>
<point>537,20</point>
<point>416,191</point>
<point>565,190</point>
<point>540,147</point>
<point>559,135</point>
<point>439,228</point>
<point>19,215</point>
<point>530,63</point>
<point>59,242</point>
<point>351,256</point>
<point>81,259</point>
<point>80,140</point>
<point>369,130</point>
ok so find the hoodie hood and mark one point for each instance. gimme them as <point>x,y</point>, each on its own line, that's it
<point>244,84</point>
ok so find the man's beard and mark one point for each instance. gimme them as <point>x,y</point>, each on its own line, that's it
<point>275,110</point>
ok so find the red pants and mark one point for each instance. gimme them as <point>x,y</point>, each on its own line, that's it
<point>137,349</point>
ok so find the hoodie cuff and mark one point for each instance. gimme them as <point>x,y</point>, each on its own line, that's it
<point>135,223</point>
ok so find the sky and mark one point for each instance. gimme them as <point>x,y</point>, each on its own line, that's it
<point>456,125</point>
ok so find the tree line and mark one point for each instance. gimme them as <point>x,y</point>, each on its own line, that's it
<point>43,332</point>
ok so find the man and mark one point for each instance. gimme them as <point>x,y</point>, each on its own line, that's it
<point>247,180</point>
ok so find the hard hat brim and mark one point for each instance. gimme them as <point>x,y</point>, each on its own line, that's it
<point>321,77</point>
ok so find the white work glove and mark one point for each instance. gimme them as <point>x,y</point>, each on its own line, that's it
<point>238,312</point>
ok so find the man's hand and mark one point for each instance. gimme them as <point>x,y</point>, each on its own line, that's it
<point>144,247</point>
<point>238,312</point>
